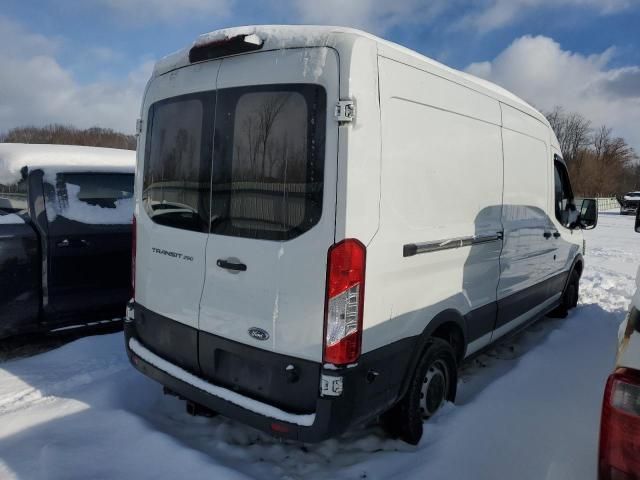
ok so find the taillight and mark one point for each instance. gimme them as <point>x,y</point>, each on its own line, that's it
<point>619,457</point>
<point>133,257</point>
<point>344,302</point>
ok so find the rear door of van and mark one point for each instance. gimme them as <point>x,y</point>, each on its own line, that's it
<point>272,208</point>
<point>174,179</point>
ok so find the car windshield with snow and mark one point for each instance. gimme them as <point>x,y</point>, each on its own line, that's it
<point>65,218</point>
<point>301,263</point>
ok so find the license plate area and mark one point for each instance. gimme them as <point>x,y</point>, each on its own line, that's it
<point>241,374</point>
<point>286,382</point>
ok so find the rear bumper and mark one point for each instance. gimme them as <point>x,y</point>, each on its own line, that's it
<point>369,389</point>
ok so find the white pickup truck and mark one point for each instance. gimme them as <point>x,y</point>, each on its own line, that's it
<point>619,456</point>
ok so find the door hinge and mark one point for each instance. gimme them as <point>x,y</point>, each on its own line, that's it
<point>345,111</point>
<point>138,126</point>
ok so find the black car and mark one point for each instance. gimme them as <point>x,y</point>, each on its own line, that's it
<point>629,203</point>
<point>65,236</point>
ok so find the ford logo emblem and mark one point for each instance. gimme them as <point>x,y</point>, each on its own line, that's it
<point>258,333</point>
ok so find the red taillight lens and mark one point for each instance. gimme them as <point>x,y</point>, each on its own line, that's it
<point>133,257</point>
<point>344,302</point>
<point>619,457</point>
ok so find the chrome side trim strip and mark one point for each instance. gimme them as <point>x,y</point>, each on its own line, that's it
<point>412,249</point>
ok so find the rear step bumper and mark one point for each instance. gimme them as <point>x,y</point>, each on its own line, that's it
<point>364,395</point>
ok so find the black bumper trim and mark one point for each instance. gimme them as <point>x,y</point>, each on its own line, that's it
<point>217,391</point>
<point>364,396</point>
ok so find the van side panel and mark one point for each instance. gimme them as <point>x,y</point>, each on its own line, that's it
<point>441,181</point>
<point>358,206</point>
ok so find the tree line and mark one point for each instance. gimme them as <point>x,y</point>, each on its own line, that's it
<point>69,135</point>
<point>599,163</point>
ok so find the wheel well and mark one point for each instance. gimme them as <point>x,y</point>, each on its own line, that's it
<point>451,333</point>
<point>578,268</point>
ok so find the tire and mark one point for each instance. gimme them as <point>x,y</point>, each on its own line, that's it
<point>433,383</point>
<point>569,297</point>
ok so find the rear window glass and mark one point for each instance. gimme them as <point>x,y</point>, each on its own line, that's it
<point>177,169</point>
<point>99,189</point>
<point>257,173</point>
<point>91,198</point>
<point>269,161</point>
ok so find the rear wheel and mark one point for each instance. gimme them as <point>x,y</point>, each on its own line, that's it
<point>433,383</point>
<point>569,297</point>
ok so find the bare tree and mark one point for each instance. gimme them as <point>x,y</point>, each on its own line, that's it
<point>573,132</point>
<point>598,162</point>
<point>69,135</point>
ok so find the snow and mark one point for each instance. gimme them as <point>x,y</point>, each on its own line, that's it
<point>83,212</point>
<point>527,409</point>
<point>228,395</point>
<point>11,219</point>
<point>61,158</point>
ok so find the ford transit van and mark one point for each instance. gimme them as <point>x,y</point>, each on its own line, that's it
<point>327,224</point>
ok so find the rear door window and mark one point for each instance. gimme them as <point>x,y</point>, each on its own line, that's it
<point>177,169</point>
<point>91,198</point>
<point>258,175</point>
<point>267,179</point>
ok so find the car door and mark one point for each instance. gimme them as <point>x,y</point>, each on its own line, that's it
<point>88,245</point>
<point>173,181</point>
<point>20,295</point>
<point>273,203</point>
<point>564,240</point>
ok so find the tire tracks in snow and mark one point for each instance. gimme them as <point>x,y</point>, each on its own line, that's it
<point>33,395</point>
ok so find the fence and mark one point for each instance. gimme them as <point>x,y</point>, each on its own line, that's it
<point>607,203</point>
<point>604,203</point>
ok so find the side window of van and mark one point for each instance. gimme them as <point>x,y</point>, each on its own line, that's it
<point>563,194</point>
<point>177,167</point>
<point>13,198</point>
<point>268,169</point>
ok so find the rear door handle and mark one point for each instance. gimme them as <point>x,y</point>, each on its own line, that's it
<point>238,267</point>
<point>547,235</point>
<point>556,235</point>
<point>66,243</point>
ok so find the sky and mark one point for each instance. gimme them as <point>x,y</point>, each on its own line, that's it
<point>85,62</point>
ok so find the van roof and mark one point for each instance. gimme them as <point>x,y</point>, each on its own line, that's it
<point>61,158</point>
<point>276,37</point>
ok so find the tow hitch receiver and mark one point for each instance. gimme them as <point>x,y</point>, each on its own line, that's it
<point>198,410</point>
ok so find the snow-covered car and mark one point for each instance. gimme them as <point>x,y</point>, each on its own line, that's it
<point>619,457</point>
<point>65,236</point>
<point>328,223</point>
<point>629,203</point>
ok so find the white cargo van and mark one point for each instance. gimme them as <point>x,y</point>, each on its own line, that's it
<point>328,223</point>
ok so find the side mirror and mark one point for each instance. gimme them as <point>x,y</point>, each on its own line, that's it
<point>588,218</point>
<point>638,221</point>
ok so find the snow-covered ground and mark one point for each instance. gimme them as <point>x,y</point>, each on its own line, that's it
<point>528,409</point>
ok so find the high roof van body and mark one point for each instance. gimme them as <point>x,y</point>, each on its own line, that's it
<point>328,223</point>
